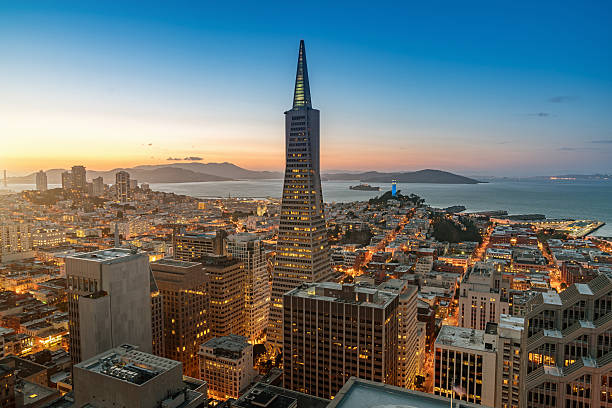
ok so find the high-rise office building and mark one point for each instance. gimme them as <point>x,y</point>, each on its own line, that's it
<point>226,365</point>
<point>182,286</point>
<point>483,296</point>
<point>225,295</point>
<point>409,353</point>
<point>191,246</point>
<point>98,186</point>
<point>109,301</point>
<point>334,331</point>
<point>302,249</point>
<point>41,181</point>
<point>124,376</point>
<point>122,186</point>
<point>507,381</point>
<point>79,178</point>
<point>248,248</point>
<point>465,364</point>
<point>157,318</point>
<point>566,353</point>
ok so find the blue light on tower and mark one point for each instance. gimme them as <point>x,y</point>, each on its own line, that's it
<point>393,188</point>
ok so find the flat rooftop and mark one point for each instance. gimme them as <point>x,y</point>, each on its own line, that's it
<point>345,293</point>
<point>357,393</point>
<point>107,255</point>
<point>127,364</point>
<point>174,262</point>
<point>462,337</point>
<point>270,396</point>
<point>233,342</point>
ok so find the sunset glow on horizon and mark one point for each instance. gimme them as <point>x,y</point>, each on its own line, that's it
<point>111,86</point>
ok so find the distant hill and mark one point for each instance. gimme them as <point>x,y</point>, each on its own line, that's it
<point>422,176</point>
<point>220,169</point>
<point>164,173</point>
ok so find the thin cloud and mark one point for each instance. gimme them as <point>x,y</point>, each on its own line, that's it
<point>602,141</point>
<point>174,158</point>
<point>193,158</point>
<point>562,98</point>
<point>539,114</point>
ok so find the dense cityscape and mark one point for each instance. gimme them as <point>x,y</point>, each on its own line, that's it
<point>116,295</point>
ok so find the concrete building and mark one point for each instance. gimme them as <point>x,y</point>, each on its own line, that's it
<point>66,180</point>
<point>109,301</point>
<point>97,186</point>
<point>122,186</point>
<point>334,331</point>
<point>483,296</point>
<point>41,181</point>
<point>509,330</point>
<point>182,286</point>
<point>226,365</point>
<point>248,248</point>
<point>409,352</point>
<point>566,347</point>
<point>465,359</point>
<point>126,377</point>
<point>302,249</point>
<point>191,246</point>
<point>157,319</point>
<point>225,295</point>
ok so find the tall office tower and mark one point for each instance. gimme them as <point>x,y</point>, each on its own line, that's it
<point>465,359</point>
<point>225,278</point>
<point>483,296</point>
<point>98,186</point>
<point>248,248</point>
<point>182,286</point>
<point>566,353</point>
<point>109,301</point>
<point>191,246</point>
<point>124,376</point>
<point>66,180</point>
<point>507,393</point>
<point>79,179</point>
<point>302,249</point>
<point>333,332</point>
<point>157,318</point>
<point>41,181</point>
<point>226,365</point>
<point>408,349</point>
<point>122,186</point>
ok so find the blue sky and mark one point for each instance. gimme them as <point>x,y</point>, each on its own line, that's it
<point>474,87</point>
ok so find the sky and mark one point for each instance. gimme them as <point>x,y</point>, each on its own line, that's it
<point>478,88</point>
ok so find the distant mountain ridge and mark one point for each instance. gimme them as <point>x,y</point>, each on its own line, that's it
<point>428,176</point>
<point>163,173</point>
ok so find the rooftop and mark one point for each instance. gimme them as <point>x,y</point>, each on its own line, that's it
<point>270,396</point>
<point>462,337</point>
<point>126,363</point>
<point>345,293</point>
<point>174,262</point>
<point>107,255</point>
<point>232,344</point>
<point>358,393</point>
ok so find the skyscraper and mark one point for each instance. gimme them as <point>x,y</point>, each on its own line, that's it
<point>98,186</point>
<point>302,250</point>
<point>182,286</point>
<point>248,248</point>
<point>41,181</point>
<point>122,186</point>
<point>109,301</point>
<point>79,178</point>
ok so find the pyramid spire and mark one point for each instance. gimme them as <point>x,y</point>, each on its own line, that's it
<point>301,94</point>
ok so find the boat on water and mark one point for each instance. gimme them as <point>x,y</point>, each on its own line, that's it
<point>365,187</point>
